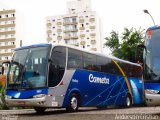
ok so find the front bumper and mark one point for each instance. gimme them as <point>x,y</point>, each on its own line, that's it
<point>33,102</point>
<point>152,99</point>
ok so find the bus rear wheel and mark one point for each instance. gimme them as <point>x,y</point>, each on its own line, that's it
<point>128,101</point>
<point>73,103</point>
<point>39,110</point>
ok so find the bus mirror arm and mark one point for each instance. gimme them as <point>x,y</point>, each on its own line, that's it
<point>139,53</point>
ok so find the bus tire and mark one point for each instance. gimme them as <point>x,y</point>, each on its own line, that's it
<point>128,101</point>
<point>73,103</point>
<point>39,110</point>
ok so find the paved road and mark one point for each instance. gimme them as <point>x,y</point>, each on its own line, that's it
<point>134,113</point>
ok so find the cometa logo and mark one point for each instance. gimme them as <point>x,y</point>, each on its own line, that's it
<point>100,80</point>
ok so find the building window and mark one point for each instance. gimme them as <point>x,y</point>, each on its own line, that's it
<point>13,15</point>
<point>6,43</point>
<point>6,36</point>
<point>12,22</point>
<point>6,58</point>
<point>6,15</point>
<point>12,43</point>
<point>87,23</point>
<point>82,25</point>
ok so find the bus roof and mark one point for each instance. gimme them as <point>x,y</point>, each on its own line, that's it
<point>76,48</point>
<point>34,45</point>
<point>154,27</point>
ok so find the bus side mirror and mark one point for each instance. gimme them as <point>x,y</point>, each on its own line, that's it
<point>4,67</point>
<point>139,53</point>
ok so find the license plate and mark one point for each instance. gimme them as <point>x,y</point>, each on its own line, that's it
<point>21,102</point>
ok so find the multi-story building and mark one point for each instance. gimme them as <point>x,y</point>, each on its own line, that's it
<point>9,38</point>
<point>79,27</point>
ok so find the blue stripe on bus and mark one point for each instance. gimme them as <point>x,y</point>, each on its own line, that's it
<point>25,94</point>
<point>153,86</point>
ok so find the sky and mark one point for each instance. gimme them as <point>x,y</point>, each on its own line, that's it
<point>114,14</point>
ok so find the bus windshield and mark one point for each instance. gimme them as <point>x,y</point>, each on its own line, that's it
<point>28,68</point>
<point>152,55</point>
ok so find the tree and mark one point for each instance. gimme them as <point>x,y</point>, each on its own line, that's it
<point>124,47</point>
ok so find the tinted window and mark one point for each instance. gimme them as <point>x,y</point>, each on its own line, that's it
<point>57,66</point>
<point>131,70</point>
<point>106,65</point>
<point>74,59</point>
<point>89,61</point>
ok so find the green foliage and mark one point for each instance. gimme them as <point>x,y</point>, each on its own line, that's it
<point>124,47</point>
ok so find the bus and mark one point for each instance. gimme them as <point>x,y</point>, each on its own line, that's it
<point>60,76</point>
<point>151,65</point>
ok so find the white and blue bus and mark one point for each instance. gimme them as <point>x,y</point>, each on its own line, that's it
<point>58,76</point>
<point>151,65</point>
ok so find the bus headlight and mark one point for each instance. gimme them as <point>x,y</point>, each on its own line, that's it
<point>39,96</point>
<point>149,91</point>
<point>8,97</point>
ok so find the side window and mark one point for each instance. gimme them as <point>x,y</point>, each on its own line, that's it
<point>132,70</point>
<point>74,58</point>
<point>57,66</point>
<point>89,61</point>
<point>103,64</point>
<point>106,65</point>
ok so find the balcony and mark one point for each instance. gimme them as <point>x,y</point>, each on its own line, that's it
<point>49,38</point>
<point>8,11</point>
<point>74,37</point>
<point>7,25</point>
<point>66,37</point>
<point>93,41</point>
<point>69,23</point>
<point>82,43</point>
<point>81,20</point>
<point>49,31</point>
<point>94,49</point>
<point>92,19</point>
<point>59,30</point>
<point>93,34</point>
<point>49,24</point>
<point>77,44</point>
<point>8,40</point>
<point>59,23</point>
<point>74,30</point>
<point>82,28</point>
<point>8,47</point>
<point>59,37</point>
<point>7,19</point>
<point>7,32</point>
<point>82,35</point>
<point>70,30</point>
<point>92,27</point>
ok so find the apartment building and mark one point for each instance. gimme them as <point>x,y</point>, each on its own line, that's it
<point>9,38</point>
<point>79,27</point>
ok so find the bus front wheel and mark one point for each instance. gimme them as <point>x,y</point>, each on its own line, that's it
<point>73,103</point>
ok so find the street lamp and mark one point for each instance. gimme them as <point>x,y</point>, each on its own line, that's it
<point>146,11</point>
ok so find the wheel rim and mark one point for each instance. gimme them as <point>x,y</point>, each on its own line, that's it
<point>128,102</point>
<point>74,103</point>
